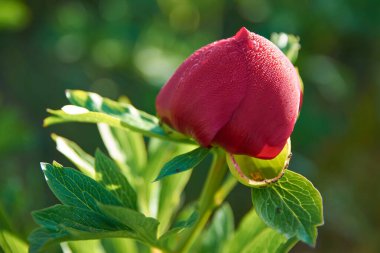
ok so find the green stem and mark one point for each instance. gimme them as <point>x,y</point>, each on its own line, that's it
<point>224,190</point>
<point>207,201</point>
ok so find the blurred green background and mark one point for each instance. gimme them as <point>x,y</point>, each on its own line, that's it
<point>130,47</point>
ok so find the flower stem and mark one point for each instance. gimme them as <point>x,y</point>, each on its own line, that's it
<point>207,201</point>
<point>224,190</point>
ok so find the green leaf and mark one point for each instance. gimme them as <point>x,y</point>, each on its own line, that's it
<point>64,223</point>
<point>94,102</point>
<point>82,160</point>
<point>219,231</point>
<point>91,108</point>
<point>144,227</point>
<point>93,246</point>
<point>5,222</point>
<point>127,148</point>
<point>254,236</point>
<point>75,189</point>
<point>180,225</point>
<point>10,243</point>
<point>67,223</point>
<point>161,199</point>
<point>119,245</point>
<point>42,237</point>
<point>183,162</point>
<point>167,191</point>
<point>109,175</point>
<point>159,153</point>
<point>288,43</point>
<point>171,190</point>
<point>71,113</point>
<point>268,242</point>
<point>292,206</point>
<point>170,238</point>
<point>55,217</point>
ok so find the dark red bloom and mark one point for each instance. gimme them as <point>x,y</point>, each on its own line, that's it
<point>240,93</point>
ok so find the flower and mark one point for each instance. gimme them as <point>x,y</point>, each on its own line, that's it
<point>240,93</point>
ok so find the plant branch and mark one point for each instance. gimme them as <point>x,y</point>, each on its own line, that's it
<point>209,199</point>
<point>224,190</point>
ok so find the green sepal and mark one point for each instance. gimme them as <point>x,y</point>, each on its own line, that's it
<point>254,172</point>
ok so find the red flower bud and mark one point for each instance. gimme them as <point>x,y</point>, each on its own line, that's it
<point>240,93</point>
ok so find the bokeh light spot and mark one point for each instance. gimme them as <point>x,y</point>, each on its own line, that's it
<point>184,17</point>
<point>109,53</point>
<point>72,15</point>
<point>113,10</point>
<point>13,15</point>
<point>254,10</point>
<point>156,65</point>
<point>70,48</point>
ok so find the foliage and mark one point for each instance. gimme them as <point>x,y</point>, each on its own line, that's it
<point>292,205</point>
<point>183,162</point>
<point>114,198</point>
<point>335,141</point>
<point>9,241</point>
<point>108,47</point>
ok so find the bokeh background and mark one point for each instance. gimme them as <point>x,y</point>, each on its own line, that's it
<point>117,47</point>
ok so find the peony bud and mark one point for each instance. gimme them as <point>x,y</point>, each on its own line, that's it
<point>240,93</point>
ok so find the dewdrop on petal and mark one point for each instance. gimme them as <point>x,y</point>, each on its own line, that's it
<point>241,94</point>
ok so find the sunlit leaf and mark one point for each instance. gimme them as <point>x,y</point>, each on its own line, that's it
<point>109,175</point>
<point>91,108</point>
<point>167,191</point>
<point>93,246</point>
<point>144,227</point>
<point>118,245</point>
<point>254,236</point>
<point>162,199</point>
<point>10,243</point>
<point>127,148</point>
<point>292,206</point>
<point>65,223</point>
<point>76,155</point>
<point>75,189</point>
<point>139,125</point>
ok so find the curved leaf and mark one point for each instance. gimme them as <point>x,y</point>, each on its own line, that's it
<point>75,189</point>
<point>292,206</point>
<point>183,162</point>
<point>109,175</point>
<point>91,108</point>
